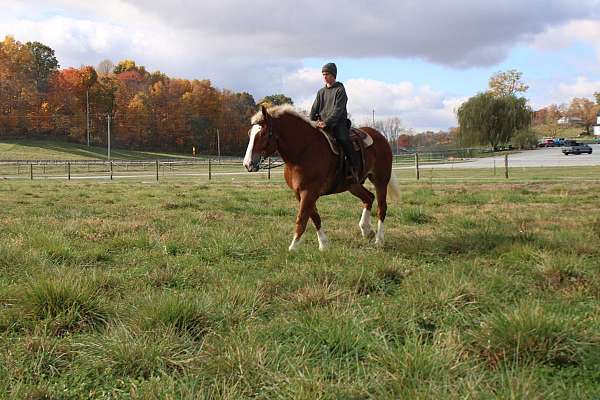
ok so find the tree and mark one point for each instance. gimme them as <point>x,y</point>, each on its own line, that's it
<point>597,97</point>
<point>585,109</point>
<point>42,65</point>
<point>507,83</point>
<point>275,100</point>
<point>489,119</point>
<point>105,67</point>
<point>525,139</point>
<point>129,65</point>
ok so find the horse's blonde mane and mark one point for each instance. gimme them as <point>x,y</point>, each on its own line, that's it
<point>278,111</point>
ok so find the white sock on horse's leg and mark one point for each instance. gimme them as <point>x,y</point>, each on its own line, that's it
<point>323,241</point>
<point>365,224</point>
<point>379,235</point>
<point>295,243</point>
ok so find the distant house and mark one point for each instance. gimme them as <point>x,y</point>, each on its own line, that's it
<point>570,121</point>
<point>597,126</point>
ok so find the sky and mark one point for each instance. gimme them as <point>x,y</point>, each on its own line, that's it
<point>416,60</point>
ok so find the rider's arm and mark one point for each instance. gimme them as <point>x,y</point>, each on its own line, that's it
<point>316,107</point>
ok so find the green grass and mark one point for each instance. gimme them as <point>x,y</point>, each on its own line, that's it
<point>185,289</point>
<point>27,149</point>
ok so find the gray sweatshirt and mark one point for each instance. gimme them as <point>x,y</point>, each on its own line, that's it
<point>330,105</point>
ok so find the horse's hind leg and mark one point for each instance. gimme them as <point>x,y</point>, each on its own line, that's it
<point>365,220</point>
<point>381,190</point>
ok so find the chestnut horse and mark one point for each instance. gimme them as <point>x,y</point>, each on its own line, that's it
<point>311,168</point>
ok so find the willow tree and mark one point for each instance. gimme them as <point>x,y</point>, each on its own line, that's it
<point>490,119</point>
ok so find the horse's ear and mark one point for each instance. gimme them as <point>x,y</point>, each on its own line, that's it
<point>264,112</point>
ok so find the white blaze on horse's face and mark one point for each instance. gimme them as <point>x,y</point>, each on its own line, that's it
<point>251,161</point>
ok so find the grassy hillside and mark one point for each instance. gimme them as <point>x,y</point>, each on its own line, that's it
<point>182,290</point>
<point>558,131</point>
<point>59,150</point>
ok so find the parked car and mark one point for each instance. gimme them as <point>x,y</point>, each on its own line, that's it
<point>569,142</point>
<point>577,149</point>
<point>546,143</point>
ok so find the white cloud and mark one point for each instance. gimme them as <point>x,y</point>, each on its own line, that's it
<point>582,87</point>
<point>562,36</point>
<point>259,46</point>
<point>421,108</point>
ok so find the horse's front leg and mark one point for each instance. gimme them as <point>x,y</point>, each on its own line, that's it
<point>307,207</point>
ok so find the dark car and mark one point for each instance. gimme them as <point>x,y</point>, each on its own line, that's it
<point>569,142</point>
<point>577,149</point>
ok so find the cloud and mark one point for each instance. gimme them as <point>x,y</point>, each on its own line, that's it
<point>582,87</point>
<point>421,108</point>
<point>459,33</point>
<point>260,46</point>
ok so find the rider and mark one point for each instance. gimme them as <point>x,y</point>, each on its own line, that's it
<point>329,110</point>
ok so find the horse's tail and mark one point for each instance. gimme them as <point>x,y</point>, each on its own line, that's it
<point>393,188</point>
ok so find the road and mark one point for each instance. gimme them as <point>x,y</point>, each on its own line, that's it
<point>545,157</point>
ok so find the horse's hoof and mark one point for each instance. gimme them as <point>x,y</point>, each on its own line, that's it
<point>379,244</point>
<point>368,235</point>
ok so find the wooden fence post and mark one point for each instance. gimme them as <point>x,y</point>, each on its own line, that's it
<point>111,171</point>
<point>209,170</point>
<point>506,166</point>
<point>269,172</point>
<point>31,171</point>
<point>69,171</point>
<point>157,170</point>
<point>417,165</point>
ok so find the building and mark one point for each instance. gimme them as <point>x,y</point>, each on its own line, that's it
<point>569,121</point>
<point>597,126</point>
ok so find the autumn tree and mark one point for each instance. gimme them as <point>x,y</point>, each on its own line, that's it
<point>585,109</point>
<point>490,119</point>
<point>129,65</point>
<point>597,97</point>
<point>507,83</point>
<point>18,92</point>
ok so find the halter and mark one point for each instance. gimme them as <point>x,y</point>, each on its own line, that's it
<point>270,133</point>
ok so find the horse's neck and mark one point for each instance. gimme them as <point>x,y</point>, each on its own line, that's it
<point>293,142</point>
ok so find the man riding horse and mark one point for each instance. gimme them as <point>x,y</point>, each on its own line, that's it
<point>329,110</point>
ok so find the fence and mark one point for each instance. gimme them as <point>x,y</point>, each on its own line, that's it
<point>119,169</point>
<point>440,166</point>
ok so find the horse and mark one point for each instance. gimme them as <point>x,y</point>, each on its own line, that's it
<point>311,168</point>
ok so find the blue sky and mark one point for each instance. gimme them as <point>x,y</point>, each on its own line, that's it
<point>414,60</point>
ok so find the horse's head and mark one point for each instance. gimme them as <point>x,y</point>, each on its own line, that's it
<point>262,142</point>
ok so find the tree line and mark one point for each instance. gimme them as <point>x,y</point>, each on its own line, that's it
<point>148,110</point>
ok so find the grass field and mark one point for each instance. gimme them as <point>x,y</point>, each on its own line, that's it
<point>59,150</point>
<point>183,290</point>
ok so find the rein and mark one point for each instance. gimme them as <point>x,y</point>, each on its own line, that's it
<point>265,165</point>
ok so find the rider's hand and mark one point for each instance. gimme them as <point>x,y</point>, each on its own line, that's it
<point>320,124</point>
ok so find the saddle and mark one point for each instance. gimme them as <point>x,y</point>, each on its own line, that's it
<point>360,141</point>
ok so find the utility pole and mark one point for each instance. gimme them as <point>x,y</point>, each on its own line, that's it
<point>218,145</point>
<point>373,118</point>
<point>87,115</point>
<point>108,122</point>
